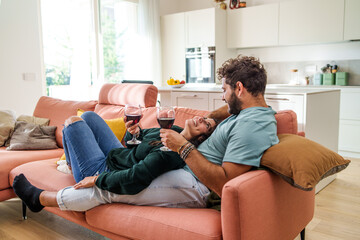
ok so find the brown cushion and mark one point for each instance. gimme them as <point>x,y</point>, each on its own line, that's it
<point>34,120</point>
<point>7,124</point>
<point>29,136</point>
<point>302,162</point>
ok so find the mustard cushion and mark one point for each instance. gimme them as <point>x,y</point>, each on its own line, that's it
<point>117,126</point>
<point>302,162</point>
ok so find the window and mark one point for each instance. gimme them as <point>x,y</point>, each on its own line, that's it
<point>87,43</point>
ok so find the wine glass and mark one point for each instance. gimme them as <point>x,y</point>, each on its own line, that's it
<point>133,113</point>
<point>166,118</point>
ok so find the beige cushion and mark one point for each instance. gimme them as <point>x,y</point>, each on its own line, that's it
<point>29,136</point>
<point>34,120</point>
<point>7,124</point>
<point>302,162</point>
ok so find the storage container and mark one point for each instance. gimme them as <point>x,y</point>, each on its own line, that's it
<point>342,78</point>
<point>318,79</point>
<point>329,79</point>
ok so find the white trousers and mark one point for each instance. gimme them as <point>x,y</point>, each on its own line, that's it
<point>177,189</point>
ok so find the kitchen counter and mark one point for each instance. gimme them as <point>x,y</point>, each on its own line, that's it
<point>270,88</point>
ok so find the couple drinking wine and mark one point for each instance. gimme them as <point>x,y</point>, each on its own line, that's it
<point>144,175</point>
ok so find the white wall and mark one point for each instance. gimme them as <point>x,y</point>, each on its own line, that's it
<point>20,52</point>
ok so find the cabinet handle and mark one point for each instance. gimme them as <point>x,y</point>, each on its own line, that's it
<point>278,99</point>
<point>189,96</point>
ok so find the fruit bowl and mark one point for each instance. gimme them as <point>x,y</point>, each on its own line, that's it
<point>177,85</point>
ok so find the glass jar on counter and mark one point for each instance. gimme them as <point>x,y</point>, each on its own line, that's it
<point>294,77</point>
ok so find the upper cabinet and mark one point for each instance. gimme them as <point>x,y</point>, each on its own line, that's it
<point>173,46</point>
<point>352,20</point>
<point>200,28</point>
<point>294,22</point>
<point>206,27</point>
<point>311,21</point>
<point>253,26</point>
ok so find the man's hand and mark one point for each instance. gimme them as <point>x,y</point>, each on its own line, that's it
<point>86,182</point>
<point>172,139</point>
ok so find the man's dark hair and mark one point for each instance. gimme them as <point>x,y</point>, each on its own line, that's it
<point>247,70</point>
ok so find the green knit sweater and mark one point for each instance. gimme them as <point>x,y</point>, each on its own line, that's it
<point>132,169</point>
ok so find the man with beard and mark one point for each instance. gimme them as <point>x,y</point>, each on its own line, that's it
<point>240,140</point>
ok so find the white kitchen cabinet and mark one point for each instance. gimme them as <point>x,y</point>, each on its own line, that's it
<point>352,20</point>
<point>253,26</point>
<point>215,101</point>
<point>173,46</point>
<point>289,102</point>
<point>349,132</point>
<point>200,28</point>
<point>317,112</point>
<point>206,27</point>
<point>311,21</point>
<point>194,100</point>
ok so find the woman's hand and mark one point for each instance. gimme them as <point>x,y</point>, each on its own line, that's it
<point>86,182</point>
<point>132,129</point>
<point>172,139</point>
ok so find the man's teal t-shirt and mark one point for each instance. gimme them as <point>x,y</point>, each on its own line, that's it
<point>241,138</point>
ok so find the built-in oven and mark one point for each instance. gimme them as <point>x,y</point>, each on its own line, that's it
<point>200,65</point>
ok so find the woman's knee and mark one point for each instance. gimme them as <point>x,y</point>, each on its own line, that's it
<point>72,119</point>
<point>89,116</point>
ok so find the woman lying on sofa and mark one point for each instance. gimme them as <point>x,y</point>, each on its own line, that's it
<point>100,162</point>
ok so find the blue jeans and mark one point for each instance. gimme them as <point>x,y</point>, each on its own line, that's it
<point>87,144</point>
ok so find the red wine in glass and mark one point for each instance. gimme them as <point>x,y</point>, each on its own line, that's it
<point>166,122</point>
<point>134,118</point>
<point>133,113</point>
<point>165,117</point>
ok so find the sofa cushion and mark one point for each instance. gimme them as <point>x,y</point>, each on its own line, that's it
<point>302,162</point>
<point>286,122</point>
<point>144,95</point>
<point>144,222</point>
<point>59,110</point>
<point>7,125</point>
<point>34,120</point>
<point>12,159</point>
<point>29,136</point>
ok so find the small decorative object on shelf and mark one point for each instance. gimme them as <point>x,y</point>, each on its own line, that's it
<point>220,4</point>
<point>235,4</point>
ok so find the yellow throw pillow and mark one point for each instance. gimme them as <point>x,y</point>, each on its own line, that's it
<point>302,162</point>
<point>117,126</point>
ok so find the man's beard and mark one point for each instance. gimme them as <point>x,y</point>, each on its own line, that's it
<point>235,104</point>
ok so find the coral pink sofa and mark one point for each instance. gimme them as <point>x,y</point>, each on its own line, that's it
<point>256,205</point>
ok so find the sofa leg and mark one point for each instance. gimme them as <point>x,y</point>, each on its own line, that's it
<point>24,210</point>
<point>302,234</point>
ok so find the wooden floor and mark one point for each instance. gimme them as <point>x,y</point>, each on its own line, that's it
<point>337,215</point>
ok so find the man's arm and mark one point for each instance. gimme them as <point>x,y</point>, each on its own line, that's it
<point>220,113</point>
<point>212,175</point>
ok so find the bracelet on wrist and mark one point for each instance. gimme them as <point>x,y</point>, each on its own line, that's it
<point>186,150</point>
<point>181,147</point>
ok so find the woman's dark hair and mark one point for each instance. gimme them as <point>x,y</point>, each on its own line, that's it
<point>197,140</point>
<point>202,137</point>
<point>247,70</point>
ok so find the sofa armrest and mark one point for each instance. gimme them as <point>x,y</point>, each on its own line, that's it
<point>260,205</point>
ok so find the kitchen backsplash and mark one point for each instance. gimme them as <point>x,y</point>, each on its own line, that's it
<point>279,72</point>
